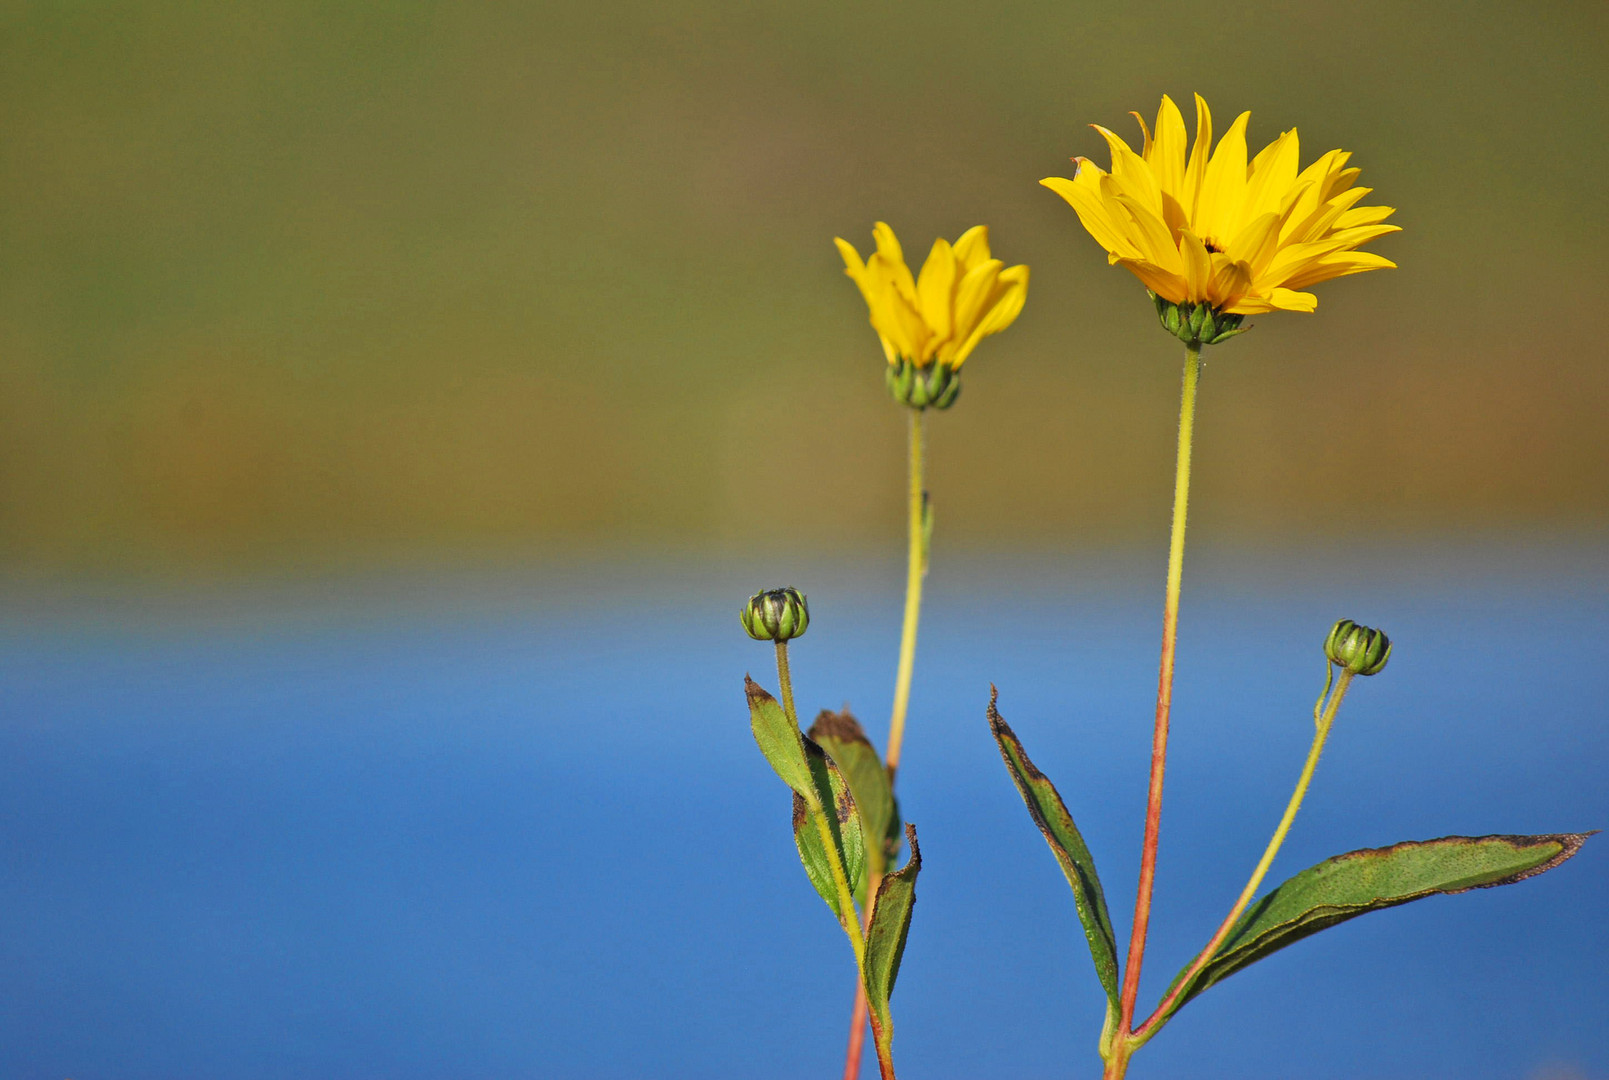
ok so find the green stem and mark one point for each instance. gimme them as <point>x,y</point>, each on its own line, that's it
<point>818,814</point>
<point>915,571</point>
<point>1321,731</point>
<point>785,682</point>
<point>884,1038</point>
<point>1164,706</point>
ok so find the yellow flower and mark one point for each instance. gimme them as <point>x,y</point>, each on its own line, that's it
<point>962,296</point>
<point>1240,238</point>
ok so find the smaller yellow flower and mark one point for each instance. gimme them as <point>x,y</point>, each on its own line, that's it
<point>961,296</point>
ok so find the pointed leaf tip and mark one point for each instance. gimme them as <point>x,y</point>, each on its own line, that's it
<point>842,737</point>
<point>885,939</point>
<point>1373,879</point>
<point>779,738</point>
<point>1050,814</point>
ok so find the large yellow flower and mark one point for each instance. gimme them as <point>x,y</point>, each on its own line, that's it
<point>1240,238</point>
<point>961,296</point>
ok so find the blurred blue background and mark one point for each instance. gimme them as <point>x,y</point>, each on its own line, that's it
<point>513,823</point>
<point>397,400</point>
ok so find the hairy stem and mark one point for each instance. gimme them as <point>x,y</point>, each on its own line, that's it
<point>818,814</point>
<point>884,1039</point>
<point>859,1012</point>
<point>916,570</point>
<point>785,682</point>
<point>1164,705</point>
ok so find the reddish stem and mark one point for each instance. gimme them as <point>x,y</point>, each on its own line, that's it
<point>1164,705</point>
<point>857,1034</point>
<point>1153,823</point>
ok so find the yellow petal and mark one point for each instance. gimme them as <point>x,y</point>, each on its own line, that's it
<point>888,247</point>
<point>1132,174</point>
<point>1197,265</point>
<point>1155,241</point>
<point>1306,194</point>
<point>1145,152</point>
<point>1286,300</point>
<point>1363,215</point>
<point>1250,304</point>
<point>853,265</point>
<point>1292,259</point>
<point>1256,243</point>
<point>1173,215</point>
<point>1320,221</point>
<point>897,318</point>
<point>1167,153</point>
<point>1339,182</point>
<point>1223,190</point>
<point>1339,265</point>
<point>935,289</point>
<point>856,270</point>
<point>1092,213</point>
<point>1195,170</point>
<point>1362,234</point>
<point>1273,171</point>
<point>972,247</point>
<point>1011,292</point>
<point>1166,285</point>
<point>973,294</point>
<point>887,243</point>
<point>1231,281</point>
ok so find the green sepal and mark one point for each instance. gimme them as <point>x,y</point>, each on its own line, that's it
<point>885,939</point>
<point>1050,814</point>
<point>842,737</point>
<point>1226,335</point>
<point>843,822</point>
<point>1197,324</point>
<point>934,386</point>
<point>1373,879</point>
<point>780,739</point>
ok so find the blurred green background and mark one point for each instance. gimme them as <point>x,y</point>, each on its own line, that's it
<point>311,284</point>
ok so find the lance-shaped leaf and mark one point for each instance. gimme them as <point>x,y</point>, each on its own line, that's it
<point>885,940</point>
<point>1373,879</point>
<point>843,824</point>
<point>780,739</point>
<point>1050,814</point>
<point>840,734</point>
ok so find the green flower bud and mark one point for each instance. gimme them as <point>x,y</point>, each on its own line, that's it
<point>775,615</point>
<point>1361,650</point>
<point>935,386</point>
<point>1197,324</point>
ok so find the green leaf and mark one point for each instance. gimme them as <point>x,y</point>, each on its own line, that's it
<point>841,735</point>
<point>780,739</point>
<point>843,822</point>
<point>1373,879</point>
<point>1050,814</point>
<point>885,940</point>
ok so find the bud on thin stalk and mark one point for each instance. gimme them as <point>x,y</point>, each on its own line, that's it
<point>776,615</point>
<point>1357,649</point>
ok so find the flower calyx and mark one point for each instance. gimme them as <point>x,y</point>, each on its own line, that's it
<point>1361,650</point>
<point>1197,324</point>
<point>776,615</point>
<point>934,386</point>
